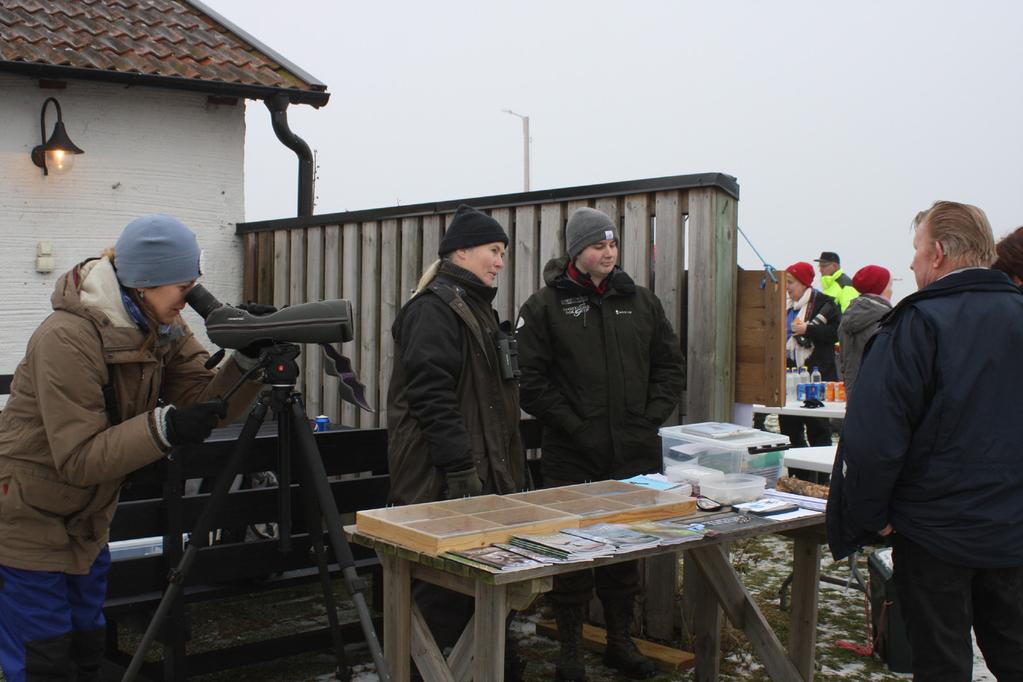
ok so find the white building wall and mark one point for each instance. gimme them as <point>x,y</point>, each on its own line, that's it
<point>147,150</point>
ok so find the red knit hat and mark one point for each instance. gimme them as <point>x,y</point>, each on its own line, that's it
<point>802,271</point>
<point>871,279</point>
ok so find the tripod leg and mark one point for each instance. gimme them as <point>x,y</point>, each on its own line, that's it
<point>200,534</point>
<point>310,455</point>
<point>314,523</point>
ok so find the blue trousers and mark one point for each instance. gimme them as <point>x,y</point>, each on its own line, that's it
<point>51,624</point>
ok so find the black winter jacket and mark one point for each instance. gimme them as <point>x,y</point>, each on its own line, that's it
<point>448,406</point>
<point>931,442</point>
<point>601,371</point>
<point>822,331</point>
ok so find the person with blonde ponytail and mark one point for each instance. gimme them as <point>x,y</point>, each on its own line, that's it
<point>110,382</point>
<point>452,414</point>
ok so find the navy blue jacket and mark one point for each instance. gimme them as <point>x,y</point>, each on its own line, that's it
<point>933,437</point>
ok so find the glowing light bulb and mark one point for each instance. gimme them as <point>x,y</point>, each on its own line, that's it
<point>59,161</point>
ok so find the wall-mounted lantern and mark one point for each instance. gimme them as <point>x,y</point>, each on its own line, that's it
<point>58,153</point>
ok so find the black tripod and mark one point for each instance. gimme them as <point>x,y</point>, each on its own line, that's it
<point>281,372</point>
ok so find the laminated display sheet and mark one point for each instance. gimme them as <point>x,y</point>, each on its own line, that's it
<point>437,527</point>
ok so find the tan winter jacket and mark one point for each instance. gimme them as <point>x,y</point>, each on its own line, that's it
<point>61,462</point>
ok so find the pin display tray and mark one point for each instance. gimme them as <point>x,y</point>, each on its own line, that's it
<point>437,527</point>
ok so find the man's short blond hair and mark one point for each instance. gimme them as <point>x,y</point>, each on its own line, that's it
<point>962,230</point>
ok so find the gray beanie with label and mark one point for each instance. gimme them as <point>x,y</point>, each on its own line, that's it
<point>155,250</point>
<point>587,226</point>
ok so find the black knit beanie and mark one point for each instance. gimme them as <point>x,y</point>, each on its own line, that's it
<point>471,228</point>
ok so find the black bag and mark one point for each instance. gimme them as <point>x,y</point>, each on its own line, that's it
<point>891,643</point>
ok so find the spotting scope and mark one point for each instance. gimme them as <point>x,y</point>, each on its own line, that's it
<point>314,322</point>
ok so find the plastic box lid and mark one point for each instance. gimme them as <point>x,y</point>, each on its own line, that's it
<point>744,438</point>
<point>691,472</point>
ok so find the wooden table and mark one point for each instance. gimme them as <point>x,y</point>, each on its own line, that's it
<point>831,410</point>
<point>479,652</point>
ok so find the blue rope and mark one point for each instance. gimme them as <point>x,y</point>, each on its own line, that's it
<point>768,268</point>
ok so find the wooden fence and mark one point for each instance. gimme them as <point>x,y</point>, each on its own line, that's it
<point>374,259</point>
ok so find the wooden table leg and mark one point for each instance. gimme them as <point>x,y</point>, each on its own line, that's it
<point>427,656</point>
<point>705,621</point>
<point>460,658</point>
<point>744,613</point>
<point>397,616</point>
<point>806,570</point>
<point>489,631</point>
<point>660,579</point>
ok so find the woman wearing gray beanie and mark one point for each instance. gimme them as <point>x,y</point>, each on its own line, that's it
<point>601,370</point>
<point>111,380</point>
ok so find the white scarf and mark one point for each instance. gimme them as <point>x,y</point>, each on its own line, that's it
<point>795,351</point>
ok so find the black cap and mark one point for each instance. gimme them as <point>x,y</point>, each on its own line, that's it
<point>471,228</point>
<point>828,256</point>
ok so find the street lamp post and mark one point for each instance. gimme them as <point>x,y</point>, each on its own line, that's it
<point>525,147</point>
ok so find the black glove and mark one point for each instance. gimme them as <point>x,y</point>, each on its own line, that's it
<point>194,423</point>
<point>462,483</point>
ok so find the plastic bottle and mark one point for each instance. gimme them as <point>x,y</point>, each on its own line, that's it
<point>802,379</point>
<point>790,385</point>
<point>815,376</point>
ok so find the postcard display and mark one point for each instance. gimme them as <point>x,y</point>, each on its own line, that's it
<point>437,527</point>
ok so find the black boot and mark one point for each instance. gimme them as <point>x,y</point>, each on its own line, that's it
<point>570,667</point>
<point>621,652</point>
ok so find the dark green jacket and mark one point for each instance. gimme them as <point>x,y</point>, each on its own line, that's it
<point>447,404</point>
<point>601,371</point>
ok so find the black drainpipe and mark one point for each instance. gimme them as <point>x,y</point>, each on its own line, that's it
<point>278,106</point>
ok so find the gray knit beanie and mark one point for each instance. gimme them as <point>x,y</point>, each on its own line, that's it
<point>155,250</point>
<point>587,226</point>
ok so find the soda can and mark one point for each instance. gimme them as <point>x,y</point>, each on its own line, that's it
<point>830,392</point>
<point>322,423</point>
<point>840,395</point>
<point>810,392</point>
<point>801,391</point>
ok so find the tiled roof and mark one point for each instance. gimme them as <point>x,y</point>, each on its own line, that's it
<point>143,40</point>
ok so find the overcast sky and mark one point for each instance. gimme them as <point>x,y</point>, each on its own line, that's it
<point>839,121</point>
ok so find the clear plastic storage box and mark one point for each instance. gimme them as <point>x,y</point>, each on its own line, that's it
<point>734,488</point>
<point>729,448</point>
<point>693,474</point>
